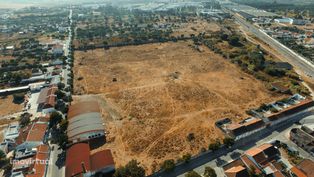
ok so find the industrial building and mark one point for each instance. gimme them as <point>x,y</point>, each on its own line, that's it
<point>85,122</point>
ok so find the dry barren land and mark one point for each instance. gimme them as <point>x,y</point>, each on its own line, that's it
<point>154,95</point>
<point>7,106</point>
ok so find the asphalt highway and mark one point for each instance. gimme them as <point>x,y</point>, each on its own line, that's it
<point>291,57</point>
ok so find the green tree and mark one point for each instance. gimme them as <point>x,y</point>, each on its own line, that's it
<point>25,119</point>
<point>18,98</point>
<point>60,94</point>
<point>132,169</point>
<point>214,146</point>
<point>61,86</point>
<point>192,174</point>
<point>168,165</point>
<point>228,141</point>
<point>55,119</point>
<point>4,162</point>
<point>209,172</point>
<point>234,40</point>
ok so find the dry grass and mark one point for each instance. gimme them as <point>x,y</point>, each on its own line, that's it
<point>164,92</point>
<point>8,107</point>
<point>195,28</point>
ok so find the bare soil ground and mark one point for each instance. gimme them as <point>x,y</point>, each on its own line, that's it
<point>8,107</point>
<point>162,93</point>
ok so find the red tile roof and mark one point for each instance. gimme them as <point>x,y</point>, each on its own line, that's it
<point>40,166</point>
<point>307,167</point>
<point>278,174</point>
<point>302,105</point>
<point>250,164</point>
<point>50,101</point>
<point>237,171</point>
<point>101,159</point>
<point>75,156</point>
<point>37,132</point>
<point>79,154</point>
<point>297,172</point>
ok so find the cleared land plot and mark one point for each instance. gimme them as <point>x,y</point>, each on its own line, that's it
<point>8,107</point>
<point>154,95</point>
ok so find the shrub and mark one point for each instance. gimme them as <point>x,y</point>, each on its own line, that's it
<point>132,169</point>
<point>228,141</point>
<point>186,158</point>
<point>192,174</point>
<point>18,98</point>
<point>168,165</point>
<point>190,137</point>
<point>209,172</point>
<point>214,146</point>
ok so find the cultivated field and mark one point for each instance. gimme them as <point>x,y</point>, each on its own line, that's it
<point>153,96</point>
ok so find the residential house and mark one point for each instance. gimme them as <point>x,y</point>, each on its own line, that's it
<point>245,128</point>
<point>87,164</point>
<point>304,169</point>
<point>263,159</point>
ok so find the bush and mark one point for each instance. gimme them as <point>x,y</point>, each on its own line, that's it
<point>214,146</point>
<point>186,158</point>
<point>190,137</point>
<point>61,86</point>
<point>168,165</point>
<point>55,119</point>
<point>228,141</point>
<point>192,174</point>
<point>18,98</point>
<point>234,40</point>
<point>209,172</point>
<point>25,120</point>
<point>132,169</point>
<point>275,72</point>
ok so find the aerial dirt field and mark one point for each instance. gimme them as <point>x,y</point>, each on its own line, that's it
<point>8,107</point>
<point>153,96</point>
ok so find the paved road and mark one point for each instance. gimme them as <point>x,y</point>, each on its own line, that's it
<point>223,155</point>
<point>56,160</point>
<point>67,49</point>
<point>55,167</point>
<point>293,58</point>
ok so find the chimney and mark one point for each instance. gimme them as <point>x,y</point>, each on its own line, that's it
<point>83,167</point>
